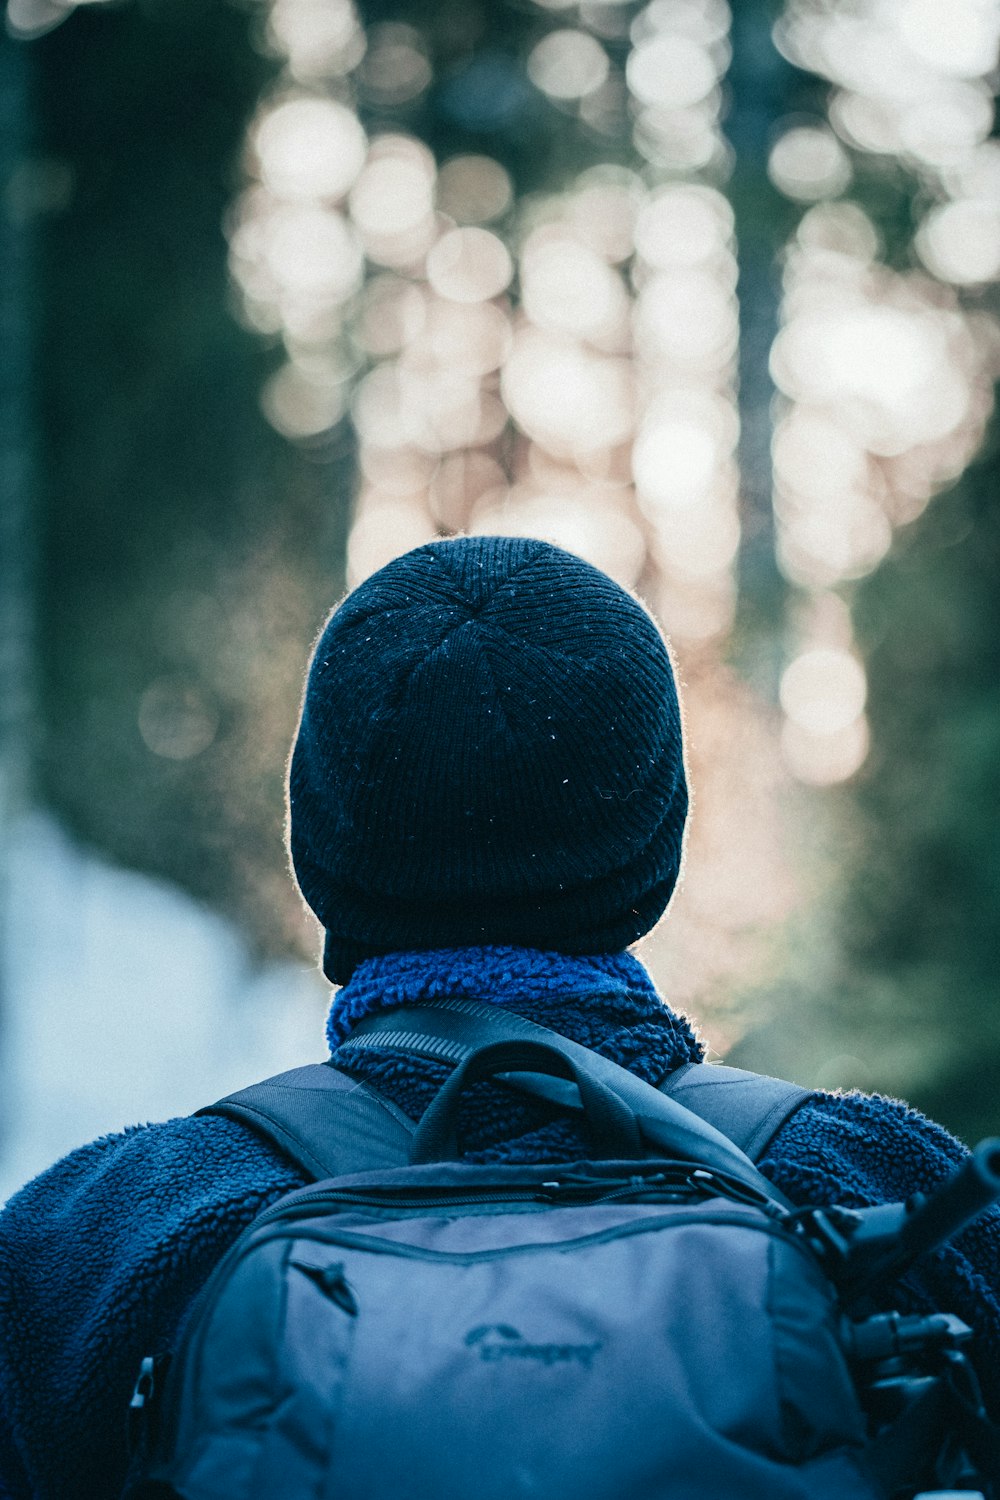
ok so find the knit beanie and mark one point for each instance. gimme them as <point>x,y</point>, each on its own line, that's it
<point>489,753</point>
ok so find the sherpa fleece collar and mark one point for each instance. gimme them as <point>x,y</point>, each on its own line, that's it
<point>610,989</point>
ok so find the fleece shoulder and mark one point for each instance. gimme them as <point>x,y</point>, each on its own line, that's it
<point>861,1149</point>
<point>99,1259</point>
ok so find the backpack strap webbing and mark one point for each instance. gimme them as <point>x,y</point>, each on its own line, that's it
<point>329,1124</point>
<point>749,1108</point>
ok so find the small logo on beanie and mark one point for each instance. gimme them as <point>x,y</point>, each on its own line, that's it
<point>499,1341</point>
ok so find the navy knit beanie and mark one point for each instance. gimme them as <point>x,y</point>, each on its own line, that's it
<point>489,753</point>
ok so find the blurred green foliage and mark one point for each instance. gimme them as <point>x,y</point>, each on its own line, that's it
<point>888,979</point>
<point>922,901</point>
<point>183,543</point>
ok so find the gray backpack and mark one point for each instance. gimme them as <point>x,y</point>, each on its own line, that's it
<point>656,1323</point>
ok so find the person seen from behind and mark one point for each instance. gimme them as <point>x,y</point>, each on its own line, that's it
<point>487,801</point>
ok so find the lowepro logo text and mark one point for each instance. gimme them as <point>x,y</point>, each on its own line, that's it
<point>498,1341</point>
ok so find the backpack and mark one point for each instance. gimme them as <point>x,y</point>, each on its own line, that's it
<point>654,1322</point>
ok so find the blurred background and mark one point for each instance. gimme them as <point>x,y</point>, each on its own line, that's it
<point>706,296</point>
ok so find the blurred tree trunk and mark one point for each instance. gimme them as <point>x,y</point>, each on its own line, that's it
<point>16,477</point>
<point>764,91</point>
<point>758,79</point>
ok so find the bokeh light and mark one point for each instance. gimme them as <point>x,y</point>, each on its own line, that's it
<point>563,350</point>
<point>563,364</point>
<point>395,68</point>
<point>317,39</point>
<point>823,690</point>
<point>469,265</point>
<point>570,399</point>
<point>911,80</point>
<point>808,162</point>
<point>176,719</point>
<point>680,52</point>
<point>474,189</point>
<point>886,377</point>
<point>572,366</point>
<point>305,398</point>
<point>670,70</point>
<point>393,199</point>
<point>568,287</point>
<point>823,760</point>
<point>568,64</point>
<point>960,241</point>
<point>310,148</point>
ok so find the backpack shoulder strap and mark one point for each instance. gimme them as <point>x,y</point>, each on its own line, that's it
<point>450,1029</point>
<point>329,1124</point>
<point>749,1108</point>
<point>332,1126</point>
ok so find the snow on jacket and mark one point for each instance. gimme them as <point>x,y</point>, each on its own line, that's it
<point>101,1255</point>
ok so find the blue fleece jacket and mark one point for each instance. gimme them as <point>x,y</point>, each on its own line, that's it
<point>101,1255</point>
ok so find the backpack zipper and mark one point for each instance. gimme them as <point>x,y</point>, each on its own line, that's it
<point>304,1205</point>
<point>355,1239</point>
<point>698,1183</point>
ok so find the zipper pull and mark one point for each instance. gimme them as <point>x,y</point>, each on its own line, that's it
<point>333,1283</point>
<point>145,1395</point>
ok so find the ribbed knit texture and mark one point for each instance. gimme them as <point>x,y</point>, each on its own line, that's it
<point>101,1256</point>
<point>489,751</point>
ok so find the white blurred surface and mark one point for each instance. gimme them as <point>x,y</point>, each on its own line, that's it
<point>125,1001</point>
